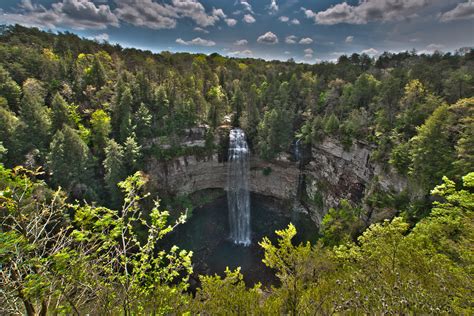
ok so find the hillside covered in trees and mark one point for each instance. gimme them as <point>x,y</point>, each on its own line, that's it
<point>78,118</point>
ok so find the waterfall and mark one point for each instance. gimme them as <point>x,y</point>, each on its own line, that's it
<point>238,196</point>
<point>298,150</point>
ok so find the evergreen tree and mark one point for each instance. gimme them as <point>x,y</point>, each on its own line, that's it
<point>9,89</point>
<point>122,115</point>
<point>115,170</point>
<point>274,133</point>
<point>100,130</point>
<point>131,154</point>
<point>59,113</point>
<point>69,162</point>
<point>34,130</point>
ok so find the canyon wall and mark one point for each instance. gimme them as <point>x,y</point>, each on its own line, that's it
<point>329,175</point>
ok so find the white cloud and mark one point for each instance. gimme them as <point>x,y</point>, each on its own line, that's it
<point>291,39</point>
<point>463,11</point>
<point>273,7</point>
<point>103,37</point>
<point>434,47</point>
<point>76,14</point>
<point>268,38</point>
<point>306,41</point>
<point>241,42</point>
<point>196,42</point>
<point>308,53</point>
<point>248,18</point>
<point>200,29</point>
<point>286,19</point>
<point>366,11</point>
<point>231,22</point>
<point>154,15</point>
<point>246,52</point>
<point>349,39</point>
<point>246,5</point>
<point>295,22</point>
<point>287,53</point>
<point>370,51</point>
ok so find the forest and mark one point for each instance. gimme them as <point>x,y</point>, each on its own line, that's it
<point>81,226</point>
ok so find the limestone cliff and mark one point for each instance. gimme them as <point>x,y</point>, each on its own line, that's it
<point>329,175</point>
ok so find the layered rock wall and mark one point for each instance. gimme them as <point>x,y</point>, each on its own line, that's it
<point>331,174</point>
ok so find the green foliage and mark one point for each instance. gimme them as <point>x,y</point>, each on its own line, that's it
<point>100,130</point>
<point>35,128</point>
<point>331,124</point>
<point>115,170</point>
<point>9,90</point>
<point>99,262</point>
<point>66,146</point>
<point>274,133</point>
<point>342,224</point>
<point>227,296</point>
<point>59,113</point>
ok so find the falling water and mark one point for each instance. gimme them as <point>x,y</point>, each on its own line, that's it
<point>238,196</point>
<point>298,150</point>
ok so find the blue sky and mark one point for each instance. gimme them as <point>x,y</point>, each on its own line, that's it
<point>306,30</point>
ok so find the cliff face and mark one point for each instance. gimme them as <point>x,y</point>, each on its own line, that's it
<point>331,174</point>
<point>334,173</point>
<point>190,174</point>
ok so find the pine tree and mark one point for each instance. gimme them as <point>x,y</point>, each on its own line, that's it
<point>69,160</point>
<point>34,130</point>
<point>122,115</point>
<point>59,113</point>
<point>115,170</point>
<point>100,127</point>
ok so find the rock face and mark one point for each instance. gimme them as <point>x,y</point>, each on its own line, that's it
<point>331,174</point>
<point>185,175</point>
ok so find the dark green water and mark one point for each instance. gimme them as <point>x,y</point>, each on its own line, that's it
<point>206,233</point>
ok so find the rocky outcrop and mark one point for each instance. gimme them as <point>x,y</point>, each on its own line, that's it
<point>334,173</point>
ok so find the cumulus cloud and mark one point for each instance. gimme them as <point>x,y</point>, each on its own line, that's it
<point>241,42</point>
<point>308,53</point>
<point>366,11</point>
<point>247,7</point>
<point>273,7</point>
<point>286,19</point>
<point>295,22</point>
<point>103,37</point>
<point>268,38</point>
<point>463,11</point>
<point>248,18</point>
<point>246,52</point>
<point>231,22</point>
<point>306,41</point>
<point>200,29</point>
<point>349,39</point>
<point>77,14</point>
<point>291,39</point>
<point>154,15</point>
<point>370,51</point>
<point>196,42</point>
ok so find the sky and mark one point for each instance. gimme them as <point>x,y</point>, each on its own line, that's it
<point>306,30</point>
